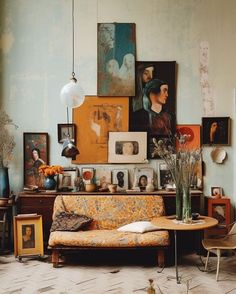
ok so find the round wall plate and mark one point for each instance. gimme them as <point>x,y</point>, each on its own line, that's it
<point>218,155</point>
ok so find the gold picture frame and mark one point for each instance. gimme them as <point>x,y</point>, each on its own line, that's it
<point>28,235</point>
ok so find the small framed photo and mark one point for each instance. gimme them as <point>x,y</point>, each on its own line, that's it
<point>127,147</point>
<point>66,181</point>
<point>216,191</point>
<point>35,154</point>
<point>216,130</point>
<point>142,176</point>
<point>88,174</point>
<point>121,178</point>
<point>220,209</point>
<point>165,180</point>
<point>63,130</point>
<point>28,235</point>
<point>102,178</point>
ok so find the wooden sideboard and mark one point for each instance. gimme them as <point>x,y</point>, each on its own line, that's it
<point>42,203</point>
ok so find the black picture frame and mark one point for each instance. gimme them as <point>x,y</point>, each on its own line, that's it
<point>142,118</point>
<point>63,130</point>
<point>216,131</point>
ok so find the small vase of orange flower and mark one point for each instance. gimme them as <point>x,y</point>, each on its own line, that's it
<point>49,172</point>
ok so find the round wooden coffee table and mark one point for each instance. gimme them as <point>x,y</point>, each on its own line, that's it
<point>170,223</point>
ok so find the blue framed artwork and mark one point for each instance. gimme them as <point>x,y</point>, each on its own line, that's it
<point>116,59</point>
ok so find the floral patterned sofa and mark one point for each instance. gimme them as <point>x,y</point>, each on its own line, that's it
<point>108,213</point>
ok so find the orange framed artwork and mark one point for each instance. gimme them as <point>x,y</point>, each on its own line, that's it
<point>194,135</point>
<point>94,119</point>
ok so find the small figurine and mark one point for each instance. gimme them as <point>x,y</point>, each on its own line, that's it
<point>151,289</point>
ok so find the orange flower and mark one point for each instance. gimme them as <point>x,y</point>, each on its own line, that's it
<point>50,170</point>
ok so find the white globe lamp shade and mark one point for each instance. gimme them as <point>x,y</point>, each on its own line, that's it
<point>72,94</point>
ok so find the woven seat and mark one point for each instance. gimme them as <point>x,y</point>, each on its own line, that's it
<point>216,246</point>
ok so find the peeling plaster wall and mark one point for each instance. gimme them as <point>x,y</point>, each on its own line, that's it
<point>35,62</point>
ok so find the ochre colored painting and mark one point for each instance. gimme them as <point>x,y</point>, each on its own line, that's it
<point>94,119</point>
<point>194,136</point>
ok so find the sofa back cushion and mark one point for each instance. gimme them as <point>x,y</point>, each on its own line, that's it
<point>111,211</point>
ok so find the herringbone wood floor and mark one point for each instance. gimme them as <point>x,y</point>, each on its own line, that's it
<point>100,273</point>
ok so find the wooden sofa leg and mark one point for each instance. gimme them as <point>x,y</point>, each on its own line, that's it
<point>161,258</point>
<point>55,257</point>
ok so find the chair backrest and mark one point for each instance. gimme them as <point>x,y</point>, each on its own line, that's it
<point>231,236</point>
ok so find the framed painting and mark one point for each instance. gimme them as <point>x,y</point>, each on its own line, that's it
<point>220,209</point>
<point>216,191</point>
<point>65,130</point>
<point>28,235</point>
<point>153,108</point>
<point>165,180</point>
<point>66,181</point>
<point>35,154</point>
<point>142,176</point>
<point>102,178</point>
<point>121,178</point>
<point>127,147</point>
<point>88,174</point>
<point>216,130</point>
<point>94,119</point>
<point>116,59</point>
<point>193,133</point>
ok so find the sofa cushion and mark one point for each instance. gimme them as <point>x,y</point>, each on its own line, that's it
<point>108,238</point>
<point>112,211</point>
<point>138,227</point>
<point>65,221</point>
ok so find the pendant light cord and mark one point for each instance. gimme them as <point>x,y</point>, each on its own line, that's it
<point>73,39</point>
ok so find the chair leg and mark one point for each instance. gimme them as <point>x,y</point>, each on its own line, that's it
<point>218,263</point>
<point>207,259</point>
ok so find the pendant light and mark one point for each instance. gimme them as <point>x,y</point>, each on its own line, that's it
<point>72,95</point>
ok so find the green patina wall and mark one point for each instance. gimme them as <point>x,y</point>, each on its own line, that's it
<point>35,62</point>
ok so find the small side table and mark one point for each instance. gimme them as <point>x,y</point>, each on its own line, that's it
<point>6,221</point>
<point>168,223</point>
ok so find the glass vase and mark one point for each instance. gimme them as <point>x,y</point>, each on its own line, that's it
<point>179,202</point>
<point>187,212</point>
<point>4,182</point>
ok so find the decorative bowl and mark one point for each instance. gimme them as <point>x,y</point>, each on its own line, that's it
<point>90,187</point>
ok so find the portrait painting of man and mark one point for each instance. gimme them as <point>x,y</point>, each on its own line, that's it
<point>215,130</point>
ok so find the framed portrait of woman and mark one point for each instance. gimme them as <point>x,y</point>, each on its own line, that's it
<point>127,147</point>
<point>35,146</point>
<point>28,235</point>
<point>142,177</point>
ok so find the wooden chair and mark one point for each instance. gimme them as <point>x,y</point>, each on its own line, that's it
<point>216,246</point>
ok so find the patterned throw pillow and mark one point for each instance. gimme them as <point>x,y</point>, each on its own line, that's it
<point>65,221</point>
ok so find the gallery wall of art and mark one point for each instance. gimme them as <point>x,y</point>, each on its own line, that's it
<point>35,59</point>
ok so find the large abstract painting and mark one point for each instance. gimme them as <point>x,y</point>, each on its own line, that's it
<point>95,118</point>
<point>153,108</point>
<point>116,59</point>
